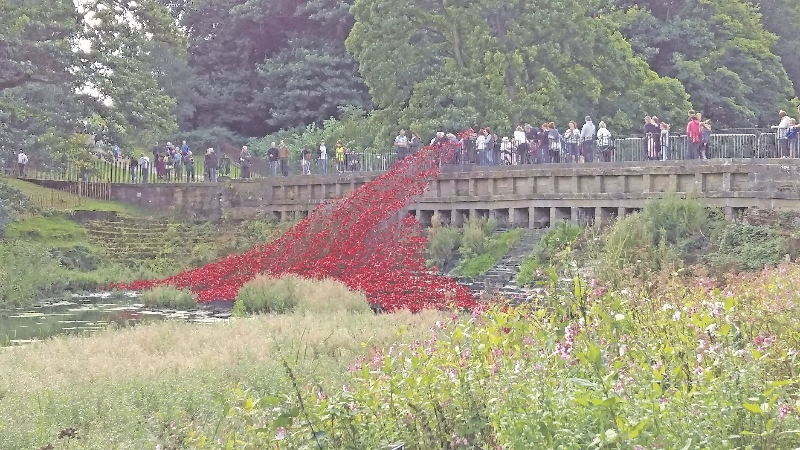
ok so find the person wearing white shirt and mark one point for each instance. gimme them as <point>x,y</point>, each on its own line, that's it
<point>480,145</point>
<point>144,165</point>
<point>604,143</point>
<point>22,161</point>
<point>587,140</point>
<point>322,162</point>
<point>401,145</point>
<point>780,134</point>
<point>521,143</point>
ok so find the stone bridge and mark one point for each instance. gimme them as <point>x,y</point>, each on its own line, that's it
<point>524,196</point>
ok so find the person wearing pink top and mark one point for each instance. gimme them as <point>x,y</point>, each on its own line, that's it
<point>693,136</point>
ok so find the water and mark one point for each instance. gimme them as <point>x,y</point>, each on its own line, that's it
<point>82,314</point>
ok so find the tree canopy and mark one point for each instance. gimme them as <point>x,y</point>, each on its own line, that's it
<point>134,72</point>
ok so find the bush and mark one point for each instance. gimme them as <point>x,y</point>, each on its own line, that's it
<point>168,297</point>
<point>741,246</point>
<point>657,239</point>
<point>294,294</point>
<point>692,369</point>
<point>476,233</point>
<point>442,245</point>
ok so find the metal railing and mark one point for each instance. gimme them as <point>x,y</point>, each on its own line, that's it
<point>739,145</point>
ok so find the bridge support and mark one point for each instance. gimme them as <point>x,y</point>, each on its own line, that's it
<point>541,217</point>
<point>520,217</point>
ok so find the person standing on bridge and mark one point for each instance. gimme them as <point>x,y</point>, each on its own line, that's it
<point>188,162</point>
<point>272,157</point>
<point>144,165</point>
<point>401,145</point>
<point>22,161</point>
<point>587,140</point>
<point>283,156</point>
<point>212,165</point>
<point>244,163</point>
<point>322,161</point>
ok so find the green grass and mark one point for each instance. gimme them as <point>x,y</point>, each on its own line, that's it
<point>64,201</point>
<point>495,248</point>
<point>53,231</point>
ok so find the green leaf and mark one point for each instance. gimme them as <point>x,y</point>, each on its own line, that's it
<point>752,407</point>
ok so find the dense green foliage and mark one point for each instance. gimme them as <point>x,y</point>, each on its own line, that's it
<point>220,72</point>
<point>72,76</point>
<point>674,235</point>
<point>691,368</point>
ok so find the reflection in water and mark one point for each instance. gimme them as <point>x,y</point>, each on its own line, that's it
<point>87,313</point>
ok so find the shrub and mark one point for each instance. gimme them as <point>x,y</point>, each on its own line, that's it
<point>657,239</point>
<point>443,241</point>
<point>746,247</point>
<point>168,297</point>
<point>558,239</point>
<point>475,235</point>
<point>294,294</point>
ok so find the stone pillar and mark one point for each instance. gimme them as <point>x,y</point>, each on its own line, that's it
<point>673,182</point>
<point>553,216</point>
<point>338,190</point>
<point>574,185</point>
<point>699,182</point>
<point>284,216</point>
<point>621,211</point>
<point>531,217</point>
<point>729,211</point>
<point>600,182</point>
<point>647,181</point>
<point>623,183</point>
<point>726,182</point>
<point>573,214</point>
<point>471,189</point>
<point>490,182</point>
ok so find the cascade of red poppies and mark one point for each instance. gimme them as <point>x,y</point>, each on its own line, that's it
<point>366,240</point>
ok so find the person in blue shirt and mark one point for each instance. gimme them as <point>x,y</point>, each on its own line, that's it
<point>184,149</point>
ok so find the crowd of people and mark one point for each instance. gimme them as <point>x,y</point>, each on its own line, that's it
<point>527,144</point>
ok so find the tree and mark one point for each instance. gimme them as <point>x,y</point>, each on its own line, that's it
<point>501,63</point>
<point>119,68</point>
<point>40,108</point>
<point>261,65</point>
<point>718,49</point>
<point>782,17</point>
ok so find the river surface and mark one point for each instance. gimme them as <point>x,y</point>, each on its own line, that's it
<point>82,314</point>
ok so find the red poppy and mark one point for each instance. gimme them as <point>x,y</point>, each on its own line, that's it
<point>362,240</point>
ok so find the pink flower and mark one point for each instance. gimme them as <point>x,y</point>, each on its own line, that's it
<point>785,410</point>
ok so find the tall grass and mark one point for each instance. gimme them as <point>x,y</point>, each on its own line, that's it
<point>168,297</point>
<point>291,293</point>
<point>135,388</point>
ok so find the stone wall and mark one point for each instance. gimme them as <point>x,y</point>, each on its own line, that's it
<point>532,196</point>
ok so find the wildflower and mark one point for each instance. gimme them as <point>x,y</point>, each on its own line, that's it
<point>785,409</point>
<point>677,316</point>
<point>280,433</point>
<point>658,365</point>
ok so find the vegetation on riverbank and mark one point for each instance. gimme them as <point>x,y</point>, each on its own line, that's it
<point>45,252</point>
<point>294,294</point>
<point>675,363</point>
<point>683,366</point>
<point>141,387</point>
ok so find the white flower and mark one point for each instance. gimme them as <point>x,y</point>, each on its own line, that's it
<point>677,316</point>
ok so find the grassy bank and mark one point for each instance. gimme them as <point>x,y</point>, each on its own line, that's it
<point>44,252</point>
<point>142,387</point>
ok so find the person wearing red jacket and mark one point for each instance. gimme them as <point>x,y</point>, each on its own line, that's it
<point>693,137</point>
